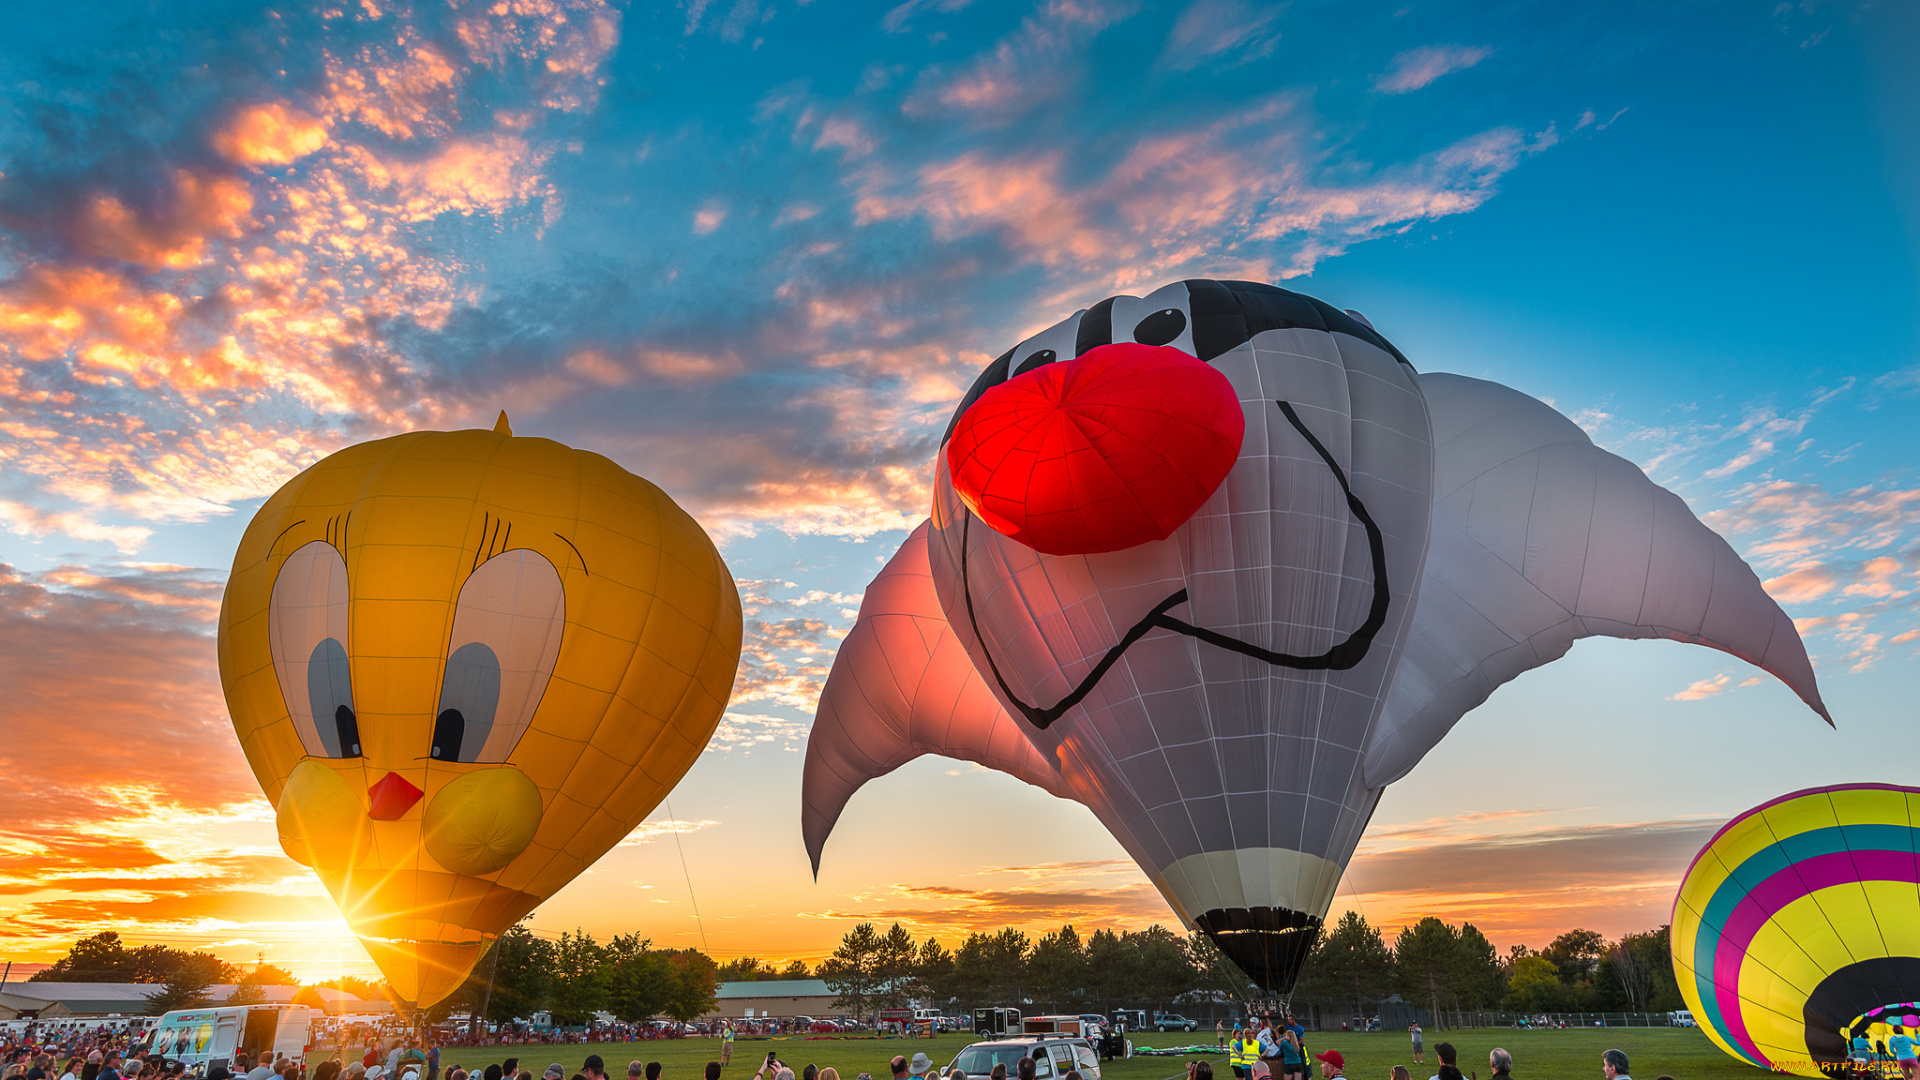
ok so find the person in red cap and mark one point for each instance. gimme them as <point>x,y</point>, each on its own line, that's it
<point>1331,1063</point>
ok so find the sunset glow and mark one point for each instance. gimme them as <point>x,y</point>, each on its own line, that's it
<point>756,252</point>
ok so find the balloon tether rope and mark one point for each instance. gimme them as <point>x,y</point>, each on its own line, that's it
<point>688,874</point>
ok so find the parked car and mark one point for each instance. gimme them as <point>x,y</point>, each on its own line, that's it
<point>825,1027</point>
<point>1053,1057</point>
<point>1173,1022</point>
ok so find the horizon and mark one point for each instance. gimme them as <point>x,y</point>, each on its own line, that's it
<point>235,238</point>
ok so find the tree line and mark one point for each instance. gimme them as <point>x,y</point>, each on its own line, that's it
<point>1059,972</point>
<point>1456,972</point>
<point>574,977</point>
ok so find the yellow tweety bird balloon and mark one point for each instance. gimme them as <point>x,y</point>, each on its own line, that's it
<point>463,666</point>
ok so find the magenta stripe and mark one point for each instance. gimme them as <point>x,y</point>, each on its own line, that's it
<point>1775,893</point>
<point>1738,818</point>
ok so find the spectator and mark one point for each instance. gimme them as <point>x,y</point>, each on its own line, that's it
<point>1332,1063</point>
<point>1901,1048</point>
<point>1419,1054</point>
<point>1449,1064</point>
<point>811,1072</point>
<point>919,1066</point>
<point>593,1068</point>
<point>1613,1065</point>
<point>1400,1073</point>
<point>554,1071</point>
<point>1026,1068</point>
<point>726,1043</point>
<point>713,1070</point>
<point>1501,1063</point>
<point>828,1073</point>
<point>999,1071</point>
<point>899,1067</point>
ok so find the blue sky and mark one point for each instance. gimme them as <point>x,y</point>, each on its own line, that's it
<point>755,250</point>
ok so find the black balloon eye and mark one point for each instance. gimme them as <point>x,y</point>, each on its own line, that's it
<point>1039,359</point>
<point>1160,327</point>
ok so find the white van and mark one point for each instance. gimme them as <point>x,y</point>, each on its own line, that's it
<point>204,1038</point>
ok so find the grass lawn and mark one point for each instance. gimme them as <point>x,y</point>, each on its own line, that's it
<point>1573,1054</point>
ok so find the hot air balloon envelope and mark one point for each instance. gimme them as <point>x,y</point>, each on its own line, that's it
<point>1799,922</point>
<point>1230,697</point>
<point>462,666</point>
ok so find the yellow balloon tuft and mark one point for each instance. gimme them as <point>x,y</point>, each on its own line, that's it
<point>463,666</point>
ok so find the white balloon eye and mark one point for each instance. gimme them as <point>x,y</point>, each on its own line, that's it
<point>307,635</point>
<point>506,638</point>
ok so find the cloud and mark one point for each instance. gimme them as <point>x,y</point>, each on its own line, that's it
<point>270,134</point>
<point>111,685</point>
<point>648,831</point>
<point>25,520</point>
<point>1704,688</point>
<point>1416,68</point>
<point>1212,199</point>
<point>708,218</point>
<point>899,19</point>
<point>174,230</point>
<point>1528,884</point>
<point>1221,31</point>
<point>1763,431</point>
<point>1027,68</point>
<point>1083,893</point>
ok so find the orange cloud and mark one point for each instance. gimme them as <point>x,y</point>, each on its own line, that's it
<point>117,735</point>
<point>1528,885</point>
<point>174,234</point>
<point>270,134</point>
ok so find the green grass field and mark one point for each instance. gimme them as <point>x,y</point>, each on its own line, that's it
<point>1562,1055</point>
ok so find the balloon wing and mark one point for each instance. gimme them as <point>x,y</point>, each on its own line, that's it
<point>902,686</point>
<point>1541,538</point>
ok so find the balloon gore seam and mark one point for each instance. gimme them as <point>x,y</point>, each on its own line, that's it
<point>1340,657</point>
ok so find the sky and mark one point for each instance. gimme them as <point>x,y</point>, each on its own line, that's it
<point>754,250</point>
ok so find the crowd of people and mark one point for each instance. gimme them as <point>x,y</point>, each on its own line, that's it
<point>100,1053</point>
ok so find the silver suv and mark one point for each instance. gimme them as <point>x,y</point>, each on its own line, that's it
<point>1053,1057</point>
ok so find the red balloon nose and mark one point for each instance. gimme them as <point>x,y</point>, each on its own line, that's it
<point>1104,452</point>
<point>391,797</point>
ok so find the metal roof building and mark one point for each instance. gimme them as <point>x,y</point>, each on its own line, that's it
<point>773,997</point>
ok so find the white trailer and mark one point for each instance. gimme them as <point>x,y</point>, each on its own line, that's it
<point>203,1038</point>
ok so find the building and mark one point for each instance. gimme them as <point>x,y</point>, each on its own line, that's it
<point>22,1007</point>
<point>47,1000</point>
<point>773,997</point>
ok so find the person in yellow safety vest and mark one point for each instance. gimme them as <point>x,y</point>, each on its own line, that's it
<point>1245,1051</point>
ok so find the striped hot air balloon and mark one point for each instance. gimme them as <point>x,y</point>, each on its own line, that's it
<point>1798,927</point>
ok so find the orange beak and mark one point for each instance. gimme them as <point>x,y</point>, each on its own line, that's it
<point>391,797</point>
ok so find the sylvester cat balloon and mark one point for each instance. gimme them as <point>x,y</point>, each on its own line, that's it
<point>1221,565</point>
